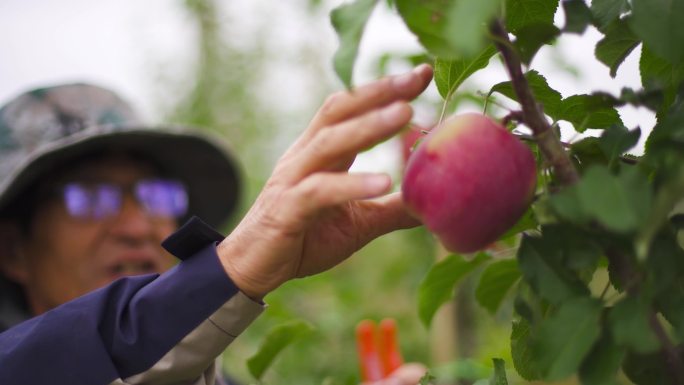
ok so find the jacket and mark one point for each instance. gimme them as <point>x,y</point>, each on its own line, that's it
<point>149,329</point>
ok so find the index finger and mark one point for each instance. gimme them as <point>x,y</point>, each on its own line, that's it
<point>345,105</point>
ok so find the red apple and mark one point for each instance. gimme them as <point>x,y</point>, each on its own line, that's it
<point>469,181</point>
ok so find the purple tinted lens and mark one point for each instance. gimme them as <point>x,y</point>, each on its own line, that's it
<point>92,201</point>
<point>78,200</point>
<point>164,198</point>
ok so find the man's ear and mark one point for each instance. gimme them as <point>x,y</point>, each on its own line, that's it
<point>12,261</point>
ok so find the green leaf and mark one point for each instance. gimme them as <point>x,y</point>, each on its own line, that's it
<point>568,205</point>
<point>620,203</point>
<point>349,21</point>
<point>499,375</point>
<point>667,134</point>
<point>428,20</point>
<point>547,96</point>
<point>521,13</point>
<point>617,140</point>
<point>664,149</point>
<point>649,98</point>
<point>566,337</point>
<point>665,269</point>
<point>589,111</point>
<point>521,351</point>
<point>604,150</point>
<point>575,249</point>
<point>438,285</point>
<point>277,339</point>
<point>427,379</point>
<point>655,69</point>
<point>618,43</point>
<point>450,74</point>
<point>588,152</point>
<point>671,305</point>
<point>658,73</point>
<point>647,369</point>
<point>603,362</point>
<point>528,221</point>
<point>659,24</point>
<point>541,266</point>
<point>388,58</point>
<point>577,16</point>
<point>495,282</point>
<point>523,308</point>
<point>630,326</point>
<point>606,11</point>
<point>467,25</point>
<point>532,37</point>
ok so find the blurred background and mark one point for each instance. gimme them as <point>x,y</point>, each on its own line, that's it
<point>255,71</point>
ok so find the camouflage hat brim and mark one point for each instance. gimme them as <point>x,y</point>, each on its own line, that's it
<point>200,160</point>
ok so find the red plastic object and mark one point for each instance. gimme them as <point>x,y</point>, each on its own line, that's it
<point>389,347</point>
<point>369,355</point>
<point>378,349</point>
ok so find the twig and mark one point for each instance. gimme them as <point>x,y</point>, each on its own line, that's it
<point>548,142</point>
<point>670,353</point>
<point>530,138</point>
<point>513,116</point>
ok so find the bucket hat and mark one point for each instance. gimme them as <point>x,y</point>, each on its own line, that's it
<point>45,128</point>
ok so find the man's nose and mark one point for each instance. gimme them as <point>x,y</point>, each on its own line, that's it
<point>133,223</point>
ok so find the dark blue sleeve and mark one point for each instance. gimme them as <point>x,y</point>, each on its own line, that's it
<point>121,329</point>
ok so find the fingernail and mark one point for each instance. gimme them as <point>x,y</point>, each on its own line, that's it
<point>403,81</point>
<point>378,183</point>
<point>422,69</point>
<point>394,114</point>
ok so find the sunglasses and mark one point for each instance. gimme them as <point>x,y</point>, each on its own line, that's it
<point>161,198</point>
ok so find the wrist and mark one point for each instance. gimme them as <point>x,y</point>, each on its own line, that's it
<point>236,265</point>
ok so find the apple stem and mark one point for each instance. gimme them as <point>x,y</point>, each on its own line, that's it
<point>513,116</point>
<point>549,143</point>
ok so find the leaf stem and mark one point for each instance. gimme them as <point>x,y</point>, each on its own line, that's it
<point>605,290</point>
<point>444,107</point>
<point>548,142</point>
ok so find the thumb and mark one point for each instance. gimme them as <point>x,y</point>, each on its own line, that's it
<point>407,374</point>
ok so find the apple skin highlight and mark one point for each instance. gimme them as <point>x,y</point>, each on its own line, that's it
<point>469,181</point>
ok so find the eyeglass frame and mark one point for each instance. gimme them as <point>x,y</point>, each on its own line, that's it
<point>120,191</point>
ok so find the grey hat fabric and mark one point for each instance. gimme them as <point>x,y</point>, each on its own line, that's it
<point>45,128</point>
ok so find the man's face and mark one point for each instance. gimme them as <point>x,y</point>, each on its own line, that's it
<point>65,256</point>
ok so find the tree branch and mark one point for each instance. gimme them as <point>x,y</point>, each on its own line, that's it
<point>669,351</point>
<point>548,142</point>
<point>566,174</point>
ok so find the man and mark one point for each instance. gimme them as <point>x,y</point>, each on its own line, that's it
<point>103,219</point>
<point>71,156</point>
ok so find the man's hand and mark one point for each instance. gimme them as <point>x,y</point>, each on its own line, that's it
<point>407,374</point>
<point>312,213</point>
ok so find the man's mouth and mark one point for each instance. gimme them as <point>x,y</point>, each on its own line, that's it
<point>134,263</point>
<point>124,268</point>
